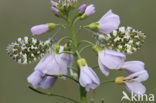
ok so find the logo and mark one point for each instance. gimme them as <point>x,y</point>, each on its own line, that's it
<point>144,97</point>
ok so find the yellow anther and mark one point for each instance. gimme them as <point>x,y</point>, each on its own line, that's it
<point>120,80</point>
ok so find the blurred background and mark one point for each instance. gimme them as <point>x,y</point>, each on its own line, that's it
<point>18,16</point>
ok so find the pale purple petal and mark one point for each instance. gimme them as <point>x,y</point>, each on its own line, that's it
<point>90,10</point>
<point>88,78</point>
<point>111,59</point>
<point>47,82</point>
<point>103,68</point>
<point>54,10</point>
<point>52,64</point>
<point>136,88</point>
<point>53,3</point>
<point>139,76</point>
<point>82,8</point>
<point>108,22</point>
<point>39,29</point>
<point>133,66</point>
<point>35,78</point>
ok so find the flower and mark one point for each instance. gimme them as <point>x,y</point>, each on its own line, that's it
<point>106,24</point>
<point>39,29</point>
<point>37,79</point>
<point>53,3</point>
<point>133,82</point>
<point>88,77</point>
<point>90,10</point>
<point>133,66</point>
<point>52,64</point>
<point>82,8</point>
<point>54,10</point>
<point>43,28</point>
<point>109,59</point>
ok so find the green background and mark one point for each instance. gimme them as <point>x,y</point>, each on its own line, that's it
<point>18,16</point>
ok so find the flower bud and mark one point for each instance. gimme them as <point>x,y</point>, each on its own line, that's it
<point>90,10</point>
<point>82,8</point>
<point>43,28</point>
<point>55,10</point>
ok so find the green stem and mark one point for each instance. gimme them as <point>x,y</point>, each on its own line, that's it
<point>109,81</point>
<point>66,52</point>
<point>83,92</point>
<point>84,48</point>
<point>50,94</point>
<point>86,41</point>
<point>63,38</point>
<point>62,75</point>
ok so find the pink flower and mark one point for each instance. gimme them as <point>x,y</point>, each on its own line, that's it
<point>39,29</point>
<point>88,78</point>
<point>90,10</point>
<point>108,22</point>
<point>109,59</point>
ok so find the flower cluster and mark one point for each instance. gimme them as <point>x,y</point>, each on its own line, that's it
<point>125,40</point>
<point>63,61</point>
<point>27,50</point>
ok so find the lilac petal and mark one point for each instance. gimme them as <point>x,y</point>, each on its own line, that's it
<point>109,22</point>
<point>68,58</point>
<point>88,78</point>
<point>52,64</point>
<point>82,8</point>
<point>90,10</point>
<point>53,3</point>
<point>54,10</point>
<point>111,59</point>
<point>39,29</point>
<point>47,82</point>
<point>103,68</point>
<point>35,78</point>
<point>133,66</point>
<point>139,76</point>
<point>136,88</point>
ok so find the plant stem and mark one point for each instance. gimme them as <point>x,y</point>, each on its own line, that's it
<point>50,94</point>
<point>62,75</point>
<point>77,56</point>
<point>109,81</point>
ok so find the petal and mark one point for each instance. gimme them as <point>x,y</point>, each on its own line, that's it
<point>111,59</point>
<point>84,79</point>
<point>88,78</point>
<point>109,22</point>
<point>39,29</point>
<point>139,76</point>
<point>103,68</point>
<point>136,88</point>
<point>35,78</point>
<point>133,66</point>
<point>47,82</point>
<point>90,10</point>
